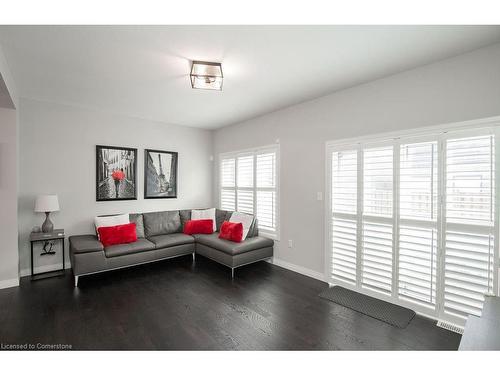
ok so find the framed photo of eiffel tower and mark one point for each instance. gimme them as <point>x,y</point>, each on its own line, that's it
<point>160,174</point>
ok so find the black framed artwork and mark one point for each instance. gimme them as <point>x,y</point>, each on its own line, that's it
<point>116,173</point>
<point>160,174</point>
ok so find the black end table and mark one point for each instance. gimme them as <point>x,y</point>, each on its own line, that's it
<point>57,234</point>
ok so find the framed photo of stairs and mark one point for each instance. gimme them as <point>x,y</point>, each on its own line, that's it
<point>160,174</point>
<point>116,173</point>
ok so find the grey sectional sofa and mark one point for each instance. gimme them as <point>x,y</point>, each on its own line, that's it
<point>160,237</point>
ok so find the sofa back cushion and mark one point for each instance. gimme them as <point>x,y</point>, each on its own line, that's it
<point>139,224</point>
<point>185,216</point>
<point>163,222</point>
<point>220,217</point>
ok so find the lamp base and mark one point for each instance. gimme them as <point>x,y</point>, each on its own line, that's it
<point>47,226</point>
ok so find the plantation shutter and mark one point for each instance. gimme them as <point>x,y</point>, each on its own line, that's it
<point>469,242</point>
<point>249,183</point>
<point>245,184</point>
<point>413,221</point>
<point>377,252</point>
<point>228,184</point>
<point>418,186</point>
<point>344,214</point>
<point>266,190</point>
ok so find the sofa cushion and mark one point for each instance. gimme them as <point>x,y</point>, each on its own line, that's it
<point>130,248</point>
<point>185,216</point>
<point>169,240</point>
<point>220,217</point>
<point>139,224</point>
<point>163,222</point>
<point>233,248</point>
<point>87,243</point>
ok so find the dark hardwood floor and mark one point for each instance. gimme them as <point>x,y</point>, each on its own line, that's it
<point>177,305</point>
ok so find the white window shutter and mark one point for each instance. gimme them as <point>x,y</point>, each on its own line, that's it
<point>245,171</point>
<point>377,232</point>
<point>228,183</point>
<point>266,190</point>
<point>266,170</point>
<point>344,181</point>
<point>470,197</point>
<point>418,181</point>
<point>418,186</point>
<point>344,186</point>
<point>228,172</point>
<point>249,184</point>
<point>228,199</point>
<point>344,257</point>
<point>415,222</point>
<point>377,181</point>
<point>417,265</point>
<point>377,256</point>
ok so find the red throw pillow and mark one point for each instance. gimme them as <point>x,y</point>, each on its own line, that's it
<point>204,226</point>
<point>118,234</point>
<point>231,231</point>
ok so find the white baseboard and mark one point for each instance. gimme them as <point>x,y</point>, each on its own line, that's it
<point>47,268</point>
<point>9,283</point>
<point>299,269</point>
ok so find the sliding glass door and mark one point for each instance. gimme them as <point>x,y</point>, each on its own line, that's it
<point>413,220</point>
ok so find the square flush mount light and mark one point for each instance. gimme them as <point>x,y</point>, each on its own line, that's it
<point>206,75</point>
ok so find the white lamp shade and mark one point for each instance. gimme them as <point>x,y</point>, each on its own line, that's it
<point>46,203</point>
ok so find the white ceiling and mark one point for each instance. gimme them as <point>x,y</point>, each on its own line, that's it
<point>142,71</point>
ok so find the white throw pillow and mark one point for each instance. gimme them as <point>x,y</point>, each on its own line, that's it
<point>245,219</point>
<point>207,214</point>
<point>110,221</point>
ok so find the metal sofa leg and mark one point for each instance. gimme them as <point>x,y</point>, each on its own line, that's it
<point>194,257</point>
<point>232,273</point>
<point>76,281</point>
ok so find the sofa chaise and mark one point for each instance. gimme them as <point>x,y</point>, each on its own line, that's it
<point>159,237</point>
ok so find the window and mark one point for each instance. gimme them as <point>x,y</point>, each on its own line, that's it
<point>412,220</point>
<point>249,183</point>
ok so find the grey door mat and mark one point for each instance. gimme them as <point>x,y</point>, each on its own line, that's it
<point>387,312</point>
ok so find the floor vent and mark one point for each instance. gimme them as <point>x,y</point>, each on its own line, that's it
<point>450,327</point>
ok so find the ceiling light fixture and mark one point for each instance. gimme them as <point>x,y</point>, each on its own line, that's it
<point>206,75</point>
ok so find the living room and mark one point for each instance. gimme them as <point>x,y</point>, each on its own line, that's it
<point>273,187</point>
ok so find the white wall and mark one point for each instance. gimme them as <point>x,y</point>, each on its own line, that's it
<point>57,155</point>
<point>9,263</point>
<point>462,88</point>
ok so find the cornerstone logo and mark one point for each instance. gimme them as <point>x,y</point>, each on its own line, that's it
<point>37,346</point>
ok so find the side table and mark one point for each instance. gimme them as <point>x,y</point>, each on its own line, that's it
<point>57,234</point>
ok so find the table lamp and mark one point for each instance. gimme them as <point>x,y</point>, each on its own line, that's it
<point>47,204</point>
